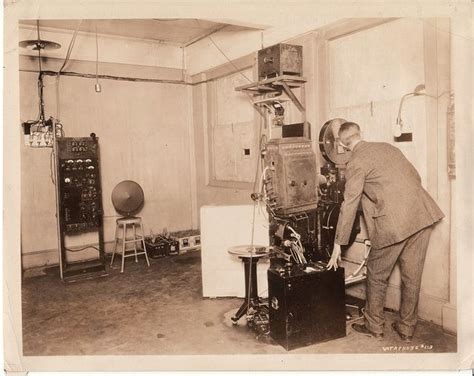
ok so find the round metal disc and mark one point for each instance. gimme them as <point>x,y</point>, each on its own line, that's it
<point>329,143</point>
<point>38,44</point>
<point>248,250</point>
<point>127,197</point>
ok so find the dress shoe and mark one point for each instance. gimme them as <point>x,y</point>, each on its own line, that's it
<point>362,329</point>
<point>403,337</point>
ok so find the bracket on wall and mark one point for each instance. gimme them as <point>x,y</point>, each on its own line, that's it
<point>272,88</point>
<point>272,85</point>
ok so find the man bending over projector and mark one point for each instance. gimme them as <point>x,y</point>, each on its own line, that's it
<point>399,214</point>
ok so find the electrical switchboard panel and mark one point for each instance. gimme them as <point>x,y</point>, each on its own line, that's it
<point>80,195</point>
<point>79,181</point>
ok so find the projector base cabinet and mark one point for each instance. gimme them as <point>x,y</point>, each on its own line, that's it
<point>306,308</point>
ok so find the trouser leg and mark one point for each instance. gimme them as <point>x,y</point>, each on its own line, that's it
<point>411,261</point>
<point>379,267</point>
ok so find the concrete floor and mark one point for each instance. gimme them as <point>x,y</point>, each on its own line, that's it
<point>160,310</point>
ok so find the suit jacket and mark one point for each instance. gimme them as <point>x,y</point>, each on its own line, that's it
<point>394,203</point>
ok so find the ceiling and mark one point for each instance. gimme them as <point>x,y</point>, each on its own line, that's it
<point>172,30</point>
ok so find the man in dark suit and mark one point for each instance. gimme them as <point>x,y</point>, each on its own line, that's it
<point>399,214</point>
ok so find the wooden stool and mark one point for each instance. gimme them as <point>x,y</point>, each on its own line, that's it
<point>129,223</point>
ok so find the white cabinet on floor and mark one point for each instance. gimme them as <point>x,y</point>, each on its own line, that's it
<point>223,227</point>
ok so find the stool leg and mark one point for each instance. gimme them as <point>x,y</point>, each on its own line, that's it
<point>115,244</point>
<point>123,246</point>
<point>135,241</point>
<point>144,246</point>
<point>241,311</point>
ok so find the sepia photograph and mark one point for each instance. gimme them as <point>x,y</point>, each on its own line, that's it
<point>216,186</point>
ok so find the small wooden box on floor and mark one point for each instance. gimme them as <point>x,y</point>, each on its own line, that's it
<point>306,308</point>
<point>188,240</point>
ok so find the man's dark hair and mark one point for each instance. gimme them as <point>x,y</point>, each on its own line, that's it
<point>348,125</point>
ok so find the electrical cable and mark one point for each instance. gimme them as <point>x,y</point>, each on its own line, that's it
<point>237,70</point>
<point>354,274</point>
<point>39,48</point>
<point>58,110</point>
<point>40,86</point>
<point>263,212</point>
<point>52,171</point>
<point>97,85</point>
<point>253,213</point>
<point>108,77</point>
<point>96,54</point>
<point>58,74</point>
<point>228,59</point>
<point>124,78</point>
<point>259,158</point>
<point>51,159</point>
<point>224,54</point>
<point>415,94</point>
<point>253,229</point>
<point>71,46</point>
<point>40,117</point>
<point>40,77</point>
<point>83,248</point>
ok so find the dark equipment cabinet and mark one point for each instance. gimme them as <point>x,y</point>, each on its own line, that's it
<point>80,201</point>
<point>306,308</point>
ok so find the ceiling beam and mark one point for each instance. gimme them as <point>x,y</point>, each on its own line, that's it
<point>242,23</point>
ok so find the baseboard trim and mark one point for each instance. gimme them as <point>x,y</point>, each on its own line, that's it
<point>38,259</point>
<point>430,308</point>
<point>50,257</point>
<point>449,314</point>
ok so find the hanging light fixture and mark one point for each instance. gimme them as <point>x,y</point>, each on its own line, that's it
<point>98,88</point>
<point>38,44</point>
<point>38,133</point>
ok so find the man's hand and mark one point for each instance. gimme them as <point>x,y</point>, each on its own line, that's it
<point>335,257</point>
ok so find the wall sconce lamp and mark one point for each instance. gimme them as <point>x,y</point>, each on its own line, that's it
<point>398,129</point>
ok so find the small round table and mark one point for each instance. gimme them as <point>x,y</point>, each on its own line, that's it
<point>249,256</point>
